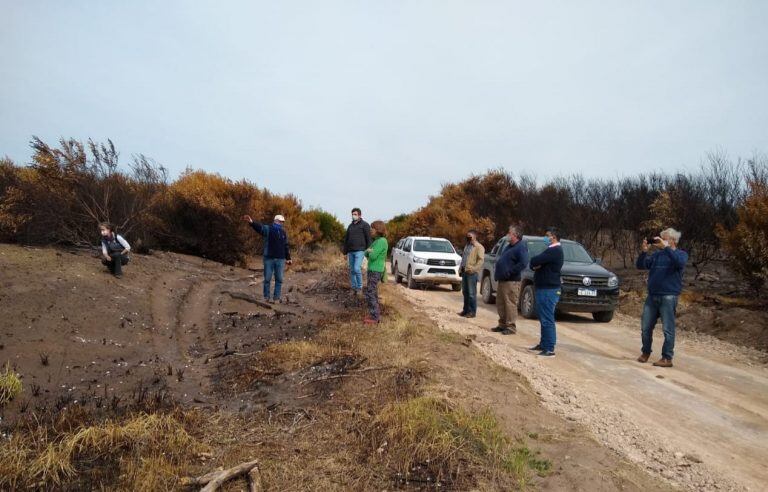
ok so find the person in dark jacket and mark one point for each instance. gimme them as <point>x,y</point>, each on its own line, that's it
<point>114,249</point>
<point>546,268</point>
<point>356,241</point>
<point>507,272</point>
<point>665,282</point>
<point>276,254</point>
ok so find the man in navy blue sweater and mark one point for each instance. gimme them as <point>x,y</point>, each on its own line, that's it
<point>546,268</point>
<point>507,272</point>
<point>665,282</point>
<point>276,253</point>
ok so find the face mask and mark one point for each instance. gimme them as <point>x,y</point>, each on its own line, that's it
<point>355,217</point>
<point>550,240</point>
<point>469,239</point>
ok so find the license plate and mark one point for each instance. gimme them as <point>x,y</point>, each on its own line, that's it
<point>588,292</point>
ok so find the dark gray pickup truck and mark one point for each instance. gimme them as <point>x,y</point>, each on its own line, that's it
<point>588,287</point>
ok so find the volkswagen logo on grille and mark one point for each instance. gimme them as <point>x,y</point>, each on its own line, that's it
<point>442,262</point>
<point>587,281</point>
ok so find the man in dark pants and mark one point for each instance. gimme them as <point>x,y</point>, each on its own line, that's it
<point>114,249</point>
<point>356,241</point>
<point>276,254</point>
<point>665,282</point>
<point>546,268</point>
<point>471,263</point>
<point>507,273</point>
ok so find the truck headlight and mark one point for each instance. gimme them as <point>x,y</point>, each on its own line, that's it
<point>416,259</point>
<point>613,281</point>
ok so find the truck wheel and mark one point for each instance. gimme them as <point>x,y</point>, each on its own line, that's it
<point>396,272</point>
<point>486,290</point>
<point>456,287</point>
<point>602,316</point>
<point>528,302</point>
<point>409,279</point>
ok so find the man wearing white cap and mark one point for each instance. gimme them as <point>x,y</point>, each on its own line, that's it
<point>276,253</point>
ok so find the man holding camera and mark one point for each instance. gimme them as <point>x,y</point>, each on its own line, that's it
<point>665,268</point>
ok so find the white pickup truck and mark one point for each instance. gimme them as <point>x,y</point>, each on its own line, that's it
<point>426,260</point>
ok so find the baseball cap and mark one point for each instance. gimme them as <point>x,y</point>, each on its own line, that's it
<point>280,218</point>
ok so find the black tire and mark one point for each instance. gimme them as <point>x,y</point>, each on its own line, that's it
<point>398,277</point>
<point>409,279</point>
<point>528,302</point>
<point>456,287</point>
<point>603,316</point>
<point>486,290</point>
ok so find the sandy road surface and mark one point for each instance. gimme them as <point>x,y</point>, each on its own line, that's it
<point>702,425</point>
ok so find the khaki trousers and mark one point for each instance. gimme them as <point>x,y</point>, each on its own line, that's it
<point>506,303</point>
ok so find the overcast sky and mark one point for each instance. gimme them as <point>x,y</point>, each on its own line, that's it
<point>376,104</point>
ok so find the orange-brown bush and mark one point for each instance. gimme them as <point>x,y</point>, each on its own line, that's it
<point>62,196</point>
<point>747,243</point>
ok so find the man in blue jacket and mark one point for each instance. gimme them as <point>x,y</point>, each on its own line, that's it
<point>665,282</point>
<point>507,272</point>
<point>546,268</point>
<point>276,253</point>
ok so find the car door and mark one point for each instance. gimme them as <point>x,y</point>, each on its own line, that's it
<point>402,265</point>
<point>396,251</point>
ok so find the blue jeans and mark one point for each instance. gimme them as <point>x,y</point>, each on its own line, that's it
<point>274,266</point>
<point>659,307</point>
<point>469,289</point>
<point>356,269</point>
<point>546,300</point>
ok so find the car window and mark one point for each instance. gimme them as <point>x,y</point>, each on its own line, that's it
<point>407,245</point>
<point>433,246</point>
<point>576,253</point>
<point>572,252</point>
<point>496,248</point>
<point>535,247</point>
<point>503,245</point>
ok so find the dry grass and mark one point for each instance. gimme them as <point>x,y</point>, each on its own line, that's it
<point>10,385</point>
<point>446,441</point>
<point>325,258</point>
<point>147,451</point>
<point>294,354</point>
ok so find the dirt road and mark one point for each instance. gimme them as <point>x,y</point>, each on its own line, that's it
<point>702,425</point>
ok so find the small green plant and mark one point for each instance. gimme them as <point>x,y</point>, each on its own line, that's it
<point>10,385</point>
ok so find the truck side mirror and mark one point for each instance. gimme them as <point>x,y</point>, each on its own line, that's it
<point>599,261</point>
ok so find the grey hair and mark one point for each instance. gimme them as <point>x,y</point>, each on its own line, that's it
<point>516,230</point>
<point>672,233</point>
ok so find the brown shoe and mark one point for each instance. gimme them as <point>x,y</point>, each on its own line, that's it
<point>643,358</point>
<point>663,362</point>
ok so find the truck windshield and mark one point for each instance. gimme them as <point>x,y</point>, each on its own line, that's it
<point>572,252</point>
<point>433,246</point>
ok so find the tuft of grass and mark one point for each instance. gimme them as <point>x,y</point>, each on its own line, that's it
<point>10,385</point>
<point>295,354</point>
<point>324,259</point>
<point>148,450</point>
<point>450,337</point>
<point>401,328</point>
<point>450,442</point>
